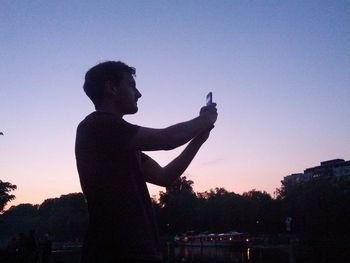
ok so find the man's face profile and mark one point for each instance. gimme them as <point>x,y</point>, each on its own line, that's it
<point>126,94</point>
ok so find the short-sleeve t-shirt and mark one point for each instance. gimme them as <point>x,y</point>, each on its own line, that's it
<point>121,219</point>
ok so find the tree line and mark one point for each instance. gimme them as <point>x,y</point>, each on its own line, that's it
<point>319,209</point>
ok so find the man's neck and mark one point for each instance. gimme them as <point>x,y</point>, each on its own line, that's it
<point>109,109</point>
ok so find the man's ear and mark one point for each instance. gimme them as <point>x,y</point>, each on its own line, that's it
<point>110,87</point>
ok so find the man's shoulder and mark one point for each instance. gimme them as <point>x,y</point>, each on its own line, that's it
<point>105,120</point>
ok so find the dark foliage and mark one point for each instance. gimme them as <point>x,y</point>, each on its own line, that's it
<point>5,197</point>
<point>180,209</point>
<point>320,210</point>
<point>63,218</point>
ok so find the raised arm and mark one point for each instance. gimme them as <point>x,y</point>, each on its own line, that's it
<point>148,139</point>
<point>165,176</point>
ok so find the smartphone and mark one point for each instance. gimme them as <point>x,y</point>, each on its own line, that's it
<point>209,98</point>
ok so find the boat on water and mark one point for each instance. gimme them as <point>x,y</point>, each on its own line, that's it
<point>228,239</point>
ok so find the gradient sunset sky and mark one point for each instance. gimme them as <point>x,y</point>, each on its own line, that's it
<point>279,72</point>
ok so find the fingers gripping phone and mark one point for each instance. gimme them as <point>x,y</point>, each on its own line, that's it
<point>209,98</point>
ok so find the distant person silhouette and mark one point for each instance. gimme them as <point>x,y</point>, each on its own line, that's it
<point>113,170</point>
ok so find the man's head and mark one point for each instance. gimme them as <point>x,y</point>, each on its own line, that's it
<point>113,83</point>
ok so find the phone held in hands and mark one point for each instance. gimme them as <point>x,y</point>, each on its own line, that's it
<point>209,98</point>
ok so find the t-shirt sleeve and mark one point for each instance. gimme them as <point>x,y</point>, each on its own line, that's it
<point>124,131</point>
<point>103,136</point>
<point>118,134</point>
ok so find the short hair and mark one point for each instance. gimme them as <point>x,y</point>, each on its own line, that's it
<point>97,76</point>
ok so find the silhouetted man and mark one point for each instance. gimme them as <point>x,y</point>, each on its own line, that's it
<point>113,170</point>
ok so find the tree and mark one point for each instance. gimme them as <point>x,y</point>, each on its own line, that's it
<point>181,185</point>
<point>21,218</point>
<point>319,208</point>
<point>178,207</point>
<point>64,218</point>
<point>262,214</point>
<point>5,197</point>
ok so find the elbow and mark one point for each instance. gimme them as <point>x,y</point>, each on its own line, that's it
<point>167,177</point>
<point>164,184</point>
<point>170,180</point>
<point>167,184</point>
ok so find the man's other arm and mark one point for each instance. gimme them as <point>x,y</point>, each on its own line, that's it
<point>165,176</point>
<point>148,139</point>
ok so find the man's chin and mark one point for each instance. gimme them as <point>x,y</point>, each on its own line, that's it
<point>133,110</point>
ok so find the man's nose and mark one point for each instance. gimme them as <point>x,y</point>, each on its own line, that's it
<point>138,94</point>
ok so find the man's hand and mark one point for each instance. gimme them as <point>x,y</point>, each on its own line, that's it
<point>210,113</point>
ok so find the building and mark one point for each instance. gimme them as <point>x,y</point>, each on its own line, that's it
<point>331,168</point>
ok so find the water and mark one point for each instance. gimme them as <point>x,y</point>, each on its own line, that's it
<point>283,254</point>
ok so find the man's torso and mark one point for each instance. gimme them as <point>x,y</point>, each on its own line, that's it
<point>120,211</point>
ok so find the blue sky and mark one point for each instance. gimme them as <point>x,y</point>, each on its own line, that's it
<point>279,72</point>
